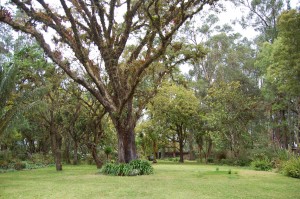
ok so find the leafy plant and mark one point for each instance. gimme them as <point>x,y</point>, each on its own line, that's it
<point>135,167</point>
<point>261,164</point>
<point>143,166</point>
<point>292,168</point>
<point>108,150</point>
<point>19,166</point>
<point>39,158</point>
<point>3,164</point>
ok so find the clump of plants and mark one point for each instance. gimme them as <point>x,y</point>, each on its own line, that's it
<point>134,168</point>
<point>292,167</point>
<point>261,164</point>
<point>9,163</point>
<point>19,166</point>
<point>39,158</point>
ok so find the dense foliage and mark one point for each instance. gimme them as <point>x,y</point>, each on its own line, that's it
<point>135,167</point>
<point>292,167</point>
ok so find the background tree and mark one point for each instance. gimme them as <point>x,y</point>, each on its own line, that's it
<point>262,16</point>
<point>278,63</point>
<point>178,108</point>
<point>231,112</point>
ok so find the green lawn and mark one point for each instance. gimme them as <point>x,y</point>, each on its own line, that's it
<point>174,181</point>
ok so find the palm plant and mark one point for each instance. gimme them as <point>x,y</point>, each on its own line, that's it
<point>8,107</point>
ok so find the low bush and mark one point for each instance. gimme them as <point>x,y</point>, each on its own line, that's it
<point>172,159</point>
<point>242,161</point>
<point>292,167</point>
<point>39,158</point>
<point>210,160</point>
<point>135,167</point>
<point>4,164</point>
<point>6,155</point>
<point>261,164</point>
<point>143,166</point>
<point>19,166</point>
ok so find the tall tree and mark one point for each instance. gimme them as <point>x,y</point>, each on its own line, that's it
<point>231,112</point>
<point>263,16</point>
<point>279,63</point>
<point>177,107</point>
<point>97,33</point>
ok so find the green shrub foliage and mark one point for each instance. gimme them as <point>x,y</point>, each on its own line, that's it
<point>242,161</point>
<point>19,166</point>
<point>4,164</point>
<point>292,168</point>
<point>261,164</point>
<point>135,167</point>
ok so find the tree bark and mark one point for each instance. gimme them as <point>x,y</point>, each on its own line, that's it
<point>181,151</point>
<point>191,147</point>
<point>181,140</point>
<point>209,149</point>
<point>96,158</point>
<point>154,152</point>
<point>174,146</point>
<point>200,152</point>
<point>56,142</point>
<point>126,144</point>
<point>199,140</point>
<point>124,123</point>
<point>67,151</point>
<point>75,159</point>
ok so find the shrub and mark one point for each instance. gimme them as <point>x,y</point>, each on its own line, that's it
<point>143,166</point>
<point>22,156</point>
<point>242,161</point>
<point>19,166</point>
<point>261,164</point>
<point>30,165</point>
<point>3,164</point>
<point>6,155</point>
<point>42,159</point>
<point>210,160</point>
<point>110,169</point>
<point>135,167</point>
<point>220,155</point>
<point>292,168</point>
<point>169,159</point>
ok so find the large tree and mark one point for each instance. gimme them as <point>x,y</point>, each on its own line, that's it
<point>177,109</point>
<point>95,34</point>
<point>279,63</point>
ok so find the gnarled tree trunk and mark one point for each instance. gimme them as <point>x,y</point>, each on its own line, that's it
<point>75,158</point>
<point>96,158</point>
<point>124,123</point>
<point>126,143</point>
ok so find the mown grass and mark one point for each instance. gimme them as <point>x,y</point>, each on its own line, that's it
<point>168,181</point>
